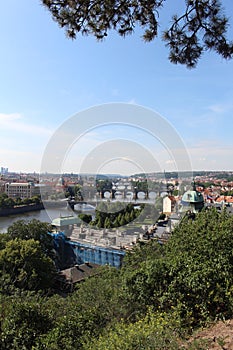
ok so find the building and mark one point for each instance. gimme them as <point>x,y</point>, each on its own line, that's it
<point>65,224</point>
<point>4,171</point>
<point>73,253</point>
<point>19,189</point>
<point>66,279</point>
<point>192,200</point>
<point>169,205</point>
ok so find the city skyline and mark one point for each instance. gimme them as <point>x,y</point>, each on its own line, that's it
<point>46,79</point>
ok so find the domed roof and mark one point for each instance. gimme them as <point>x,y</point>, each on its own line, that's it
<point>192,197</point>
<point>192,200</point>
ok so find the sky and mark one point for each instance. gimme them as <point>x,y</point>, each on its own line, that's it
<point>47,81</point>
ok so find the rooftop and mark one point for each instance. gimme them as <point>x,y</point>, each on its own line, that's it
<point>66,221</point>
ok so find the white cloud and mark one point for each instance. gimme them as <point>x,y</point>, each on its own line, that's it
<point>220,108</point>
<point>16,122</point>
<point>6,118</point>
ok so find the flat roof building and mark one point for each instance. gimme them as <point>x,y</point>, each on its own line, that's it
<point>19,189</point>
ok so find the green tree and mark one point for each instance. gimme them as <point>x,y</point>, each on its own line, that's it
<point>122,220</point>
<point>84,314</point>
<point>199,259</point>
<point>34,229</point>
<point>116,222</point>
<point>4,237</point>
<point>36,199</point>
<point>78,192</point>
<point>107,223</point>
<point>194,274</point>
<point>144,270</point>
<point>24,265</point>
<point>152,332</point>
<point>18,201</point>
<point>127,217</point>
<point>201,27</point>
<point>9,203</point>
<point>133,215</point>
<point>24,320</point>
<point>3,197</point>
<point>85,217</point>
<point>27,201</point>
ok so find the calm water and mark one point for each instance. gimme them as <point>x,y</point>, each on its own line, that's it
<point>46,215</point>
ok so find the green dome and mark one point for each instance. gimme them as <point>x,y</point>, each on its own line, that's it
<point>192,197</point>
<point>192,200</point>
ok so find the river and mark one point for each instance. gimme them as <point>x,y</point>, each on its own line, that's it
<point>46,215</point>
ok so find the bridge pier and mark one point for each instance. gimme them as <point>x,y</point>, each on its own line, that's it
<point>135,195</point>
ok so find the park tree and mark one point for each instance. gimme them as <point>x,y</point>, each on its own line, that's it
<point>78,192</point>
<point>6,202</point>
<point>85,217</point>
<point>199,260</point>
<point>36,199</point>
<point>95,304</point>
<point>191,274</point>
<point>24,319</point>
<point>202,26</point>
<point>4,238</point>
<point>34,229</point>
<point>107,223</point>
<point>23,265</point>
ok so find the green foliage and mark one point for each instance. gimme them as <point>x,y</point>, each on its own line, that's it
<point>36,230</point>
<point>78,192</point>
<point>85,217</point>
<point>4,238</point>
<point>6,202</point>
<point>140,185</point>
<point>201,27</point>
<point>161,292</point>
<point>109,215</point>
<point>24,320</point>
<point>193,273</point>
<point>83,315</point>
<point>24,265</point>
<point>36,199</point>
<point>199,258</point>
<point>103,185</point>
<point>153,332</point>
<point>143,271</point>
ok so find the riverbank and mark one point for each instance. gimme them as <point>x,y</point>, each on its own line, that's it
<point>21,209</point>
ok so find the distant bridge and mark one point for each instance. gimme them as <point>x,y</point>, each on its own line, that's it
<point>122,193</point>
<point>94,202</point>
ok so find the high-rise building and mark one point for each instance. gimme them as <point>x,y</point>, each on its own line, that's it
<point>4,171</point>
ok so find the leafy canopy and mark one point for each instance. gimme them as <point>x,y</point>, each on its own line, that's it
<point>34,229</point>
<point>24,265</point>
<point>160,293</point>
<point>202,26</point>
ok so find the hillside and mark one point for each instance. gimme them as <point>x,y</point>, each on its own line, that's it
<point>217,337</point>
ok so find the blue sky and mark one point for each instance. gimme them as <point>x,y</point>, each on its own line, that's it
<point>46,78</point>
